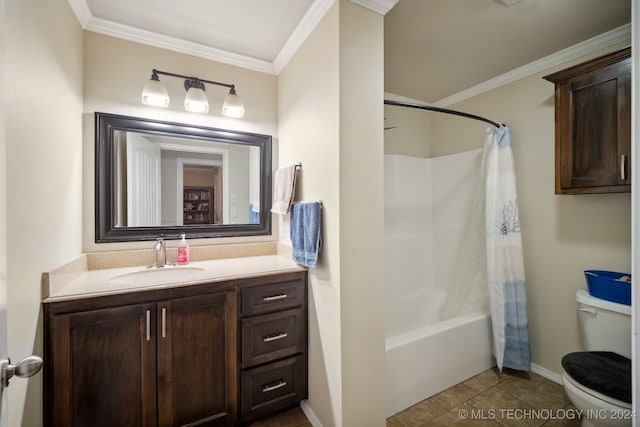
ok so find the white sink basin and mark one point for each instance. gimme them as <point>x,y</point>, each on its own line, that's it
<point>157,276</point>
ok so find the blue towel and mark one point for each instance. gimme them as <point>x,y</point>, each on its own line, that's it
<point>254,217</point>
<point>306,219</point>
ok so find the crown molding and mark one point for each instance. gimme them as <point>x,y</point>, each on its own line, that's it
<point>610,38</point>
<point>81,10</point>
<point>310,20</point>
<point>150,38</point>
<point>379,6</point>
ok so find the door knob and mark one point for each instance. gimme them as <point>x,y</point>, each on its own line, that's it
<point>27,367</point>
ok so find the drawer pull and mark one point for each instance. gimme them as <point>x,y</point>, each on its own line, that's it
<point>148,325</point>
<point>623,175</point>
<point>275,386</point>
<point>274,297</point>
<point>275,337</point>
<point>164,323</point>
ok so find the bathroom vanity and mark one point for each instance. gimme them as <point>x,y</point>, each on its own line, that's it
<point>221,342</point>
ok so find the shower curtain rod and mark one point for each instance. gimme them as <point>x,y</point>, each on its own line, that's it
<point>443,110</point>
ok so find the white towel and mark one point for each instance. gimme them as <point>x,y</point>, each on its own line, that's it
<point>284,188</point>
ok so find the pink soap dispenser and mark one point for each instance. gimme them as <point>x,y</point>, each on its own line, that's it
<point>183,251</point>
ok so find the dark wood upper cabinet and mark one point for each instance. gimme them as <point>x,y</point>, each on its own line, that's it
<point>593,126</point>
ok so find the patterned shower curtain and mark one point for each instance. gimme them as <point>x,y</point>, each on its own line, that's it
<point>505,266</point>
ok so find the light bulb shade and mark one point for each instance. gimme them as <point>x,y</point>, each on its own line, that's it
<point>232,106</point>
<point>196,100</point>
<point>155,94</point>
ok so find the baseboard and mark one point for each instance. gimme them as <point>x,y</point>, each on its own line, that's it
<point>544,372</point>
<point>315,422</point>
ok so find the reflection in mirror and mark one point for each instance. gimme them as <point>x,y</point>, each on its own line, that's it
<point>158,178</point>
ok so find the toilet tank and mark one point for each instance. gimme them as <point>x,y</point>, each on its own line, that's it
<point>604,325</point>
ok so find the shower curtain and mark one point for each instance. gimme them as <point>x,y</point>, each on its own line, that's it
<point>505,266</point>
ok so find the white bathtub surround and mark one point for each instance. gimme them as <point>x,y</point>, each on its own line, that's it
<point>426,361</point>
<point>459,218</point>
<point>428,209</point>
<point>505,264</point>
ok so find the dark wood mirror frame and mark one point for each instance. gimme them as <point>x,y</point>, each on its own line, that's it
<point>105,227</point>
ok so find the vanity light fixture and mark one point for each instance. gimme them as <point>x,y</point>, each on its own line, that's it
<point>156,95</point>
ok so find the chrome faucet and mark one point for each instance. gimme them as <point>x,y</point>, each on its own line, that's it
<point>161,253</point>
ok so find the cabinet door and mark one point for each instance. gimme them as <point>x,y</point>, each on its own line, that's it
<point>593,126</point>
<point>601,105</point>
<point>103,368</point>
<point>196,360</point>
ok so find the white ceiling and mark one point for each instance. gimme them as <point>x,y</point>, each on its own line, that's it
<point>433,48</point>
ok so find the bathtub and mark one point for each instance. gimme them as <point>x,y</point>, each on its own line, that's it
<point>430,359</point>
<point>427,205</point>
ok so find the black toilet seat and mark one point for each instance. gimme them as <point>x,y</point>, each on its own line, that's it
<point>605,372</point>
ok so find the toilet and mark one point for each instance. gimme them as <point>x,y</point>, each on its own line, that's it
<point>598,381</point>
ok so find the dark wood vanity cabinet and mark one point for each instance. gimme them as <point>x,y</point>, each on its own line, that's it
<point>593,125</point>
<point>196,359</point>
<point>273,336</point>
<point>162,363</point>
<point>101,369</point>
<point>177,356</point>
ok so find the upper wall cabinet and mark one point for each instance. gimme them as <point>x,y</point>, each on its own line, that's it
<point>593,125</point>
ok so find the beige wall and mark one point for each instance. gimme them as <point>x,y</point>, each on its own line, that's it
<point>115,72</point>
<point>562,234</point>
<point>329,96</point>
<point>411,130</point>
<point>308,129</point>
<point>43,72</point>
<point>362,215</point>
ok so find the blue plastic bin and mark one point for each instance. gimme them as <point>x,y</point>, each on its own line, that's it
<point>608,285</point>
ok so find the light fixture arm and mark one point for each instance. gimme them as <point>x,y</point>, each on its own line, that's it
<point>193,79</point>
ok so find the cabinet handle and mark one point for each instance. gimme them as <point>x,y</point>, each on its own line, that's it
<point>274,297</point>
<point>623,175</point>
<point>164,323</point>
<point>275,386</point>
<point>275,337</point>
<point>148,325</point>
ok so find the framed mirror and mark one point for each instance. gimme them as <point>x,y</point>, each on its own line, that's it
<point>156,178</point>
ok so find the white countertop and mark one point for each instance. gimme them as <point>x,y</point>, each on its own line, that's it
<point>94,283</point>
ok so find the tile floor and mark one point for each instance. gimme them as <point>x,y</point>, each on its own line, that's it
<point>289,418</point>
<point>492,399</point>
<point>510,398</point>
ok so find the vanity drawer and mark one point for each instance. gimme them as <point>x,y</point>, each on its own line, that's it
<point>272,336</point>
<point>272,387</point>
<point>267,298</point>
